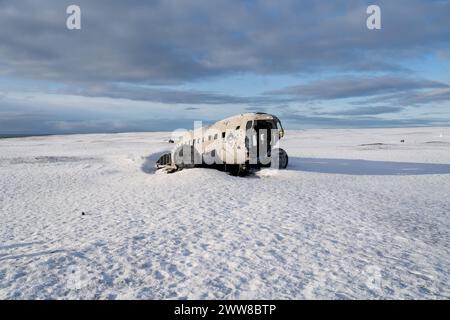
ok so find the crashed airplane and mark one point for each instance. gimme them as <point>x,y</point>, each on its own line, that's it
<point>237,145</point>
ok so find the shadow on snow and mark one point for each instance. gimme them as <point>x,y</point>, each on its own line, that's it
<point>365,167</point>
<point>341,166</point>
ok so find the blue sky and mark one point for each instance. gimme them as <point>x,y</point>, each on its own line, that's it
<point>160,65</point>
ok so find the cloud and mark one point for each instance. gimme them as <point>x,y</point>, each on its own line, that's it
<point>360,111</point>
<point>351,87</point>
<point>166,42</point>
<point>133,60</point>
<point>437,95</point>
<point>38,113</point>
<point>413,98</point>
<point>357,122</point>
<point>37,123</point>
<point>35,126</point>
<point>168,96</point>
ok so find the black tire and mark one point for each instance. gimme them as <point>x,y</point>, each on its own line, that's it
<point>281,160</point>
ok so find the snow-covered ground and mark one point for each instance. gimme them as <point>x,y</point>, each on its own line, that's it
<point>358,214</point>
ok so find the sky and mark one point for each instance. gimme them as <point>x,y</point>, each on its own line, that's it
<point>160,65</point>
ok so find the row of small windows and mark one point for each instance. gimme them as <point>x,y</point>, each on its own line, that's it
<point>210,137</point>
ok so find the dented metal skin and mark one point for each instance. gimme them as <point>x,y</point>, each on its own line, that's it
<point>236,144</point>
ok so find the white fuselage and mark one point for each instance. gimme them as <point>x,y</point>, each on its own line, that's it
<point>228,141</point>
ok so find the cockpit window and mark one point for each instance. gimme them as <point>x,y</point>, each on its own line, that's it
<point>279,126</point>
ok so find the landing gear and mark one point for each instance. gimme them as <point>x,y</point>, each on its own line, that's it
<point>239,170</point>
<point>164,160</point>
<point>280,159</point>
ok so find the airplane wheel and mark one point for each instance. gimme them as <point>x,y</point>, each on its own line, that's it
<point>283,159</point>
